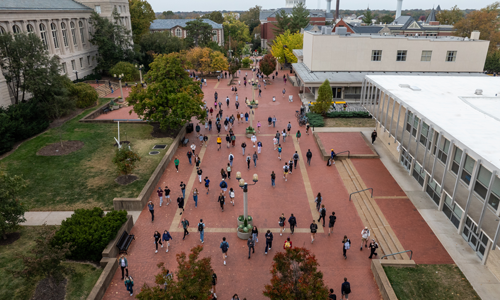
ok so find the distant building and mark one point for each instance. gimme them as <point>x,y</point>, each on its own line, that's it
<point>177,28</point>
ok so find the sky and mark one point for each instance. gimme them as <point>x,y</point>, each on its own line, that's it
<point>210,5</point>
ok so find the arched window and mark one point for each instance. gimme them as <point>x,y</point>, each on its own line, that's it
<point>53,27</point>
<point>80,24</point>
<point>214,36</point>
<point>16,29</point>
<point>178,32</point>
<point>2,31</point>
<point>73,33</point>
<point>30,28</point>
<point>43,36</point>
<point>64,34</point>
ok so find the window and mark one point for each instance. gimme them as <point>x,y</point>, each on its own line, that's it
<point>401,56</point>
<point>214,36</point>
<point>2,30</point>
<point>81,62</point>
<point>120,9</point>
<point>80,24</point>
<point>426,55</point>
<point>482,182</point>
<point>467,169</point>
<point>54,35</point>
<point>444,148</point>
<point>415,124</point>
<point>73,65</point>
<point>16,29</point>
<point>424,134</point>
<point>30,28</point>
<point>73,33</point>
<point>451,55</point>
<point>97,9</point>
<point>43,36</point>
<point>376,55</point>
<point>65,71</point>
<point>64,34</point>
<point>452,211</point>
<point>456,160</point>
<point>88,60</point>
<point>434,191</point>
<point>495,194</point>
<point>418,173</point>
<point>178,32</point>
<point>337,92</point>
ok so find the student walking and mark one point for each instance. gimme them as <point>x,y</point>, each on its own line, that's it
<point>221,200</point>
<point>255,158</point>
<point>157,238</point>
<point>207,184</point>
<point>346,246</point>
<point>199,172</point>
<point>219,142</point>
<point>287,244</point>
<point>274,121</point>
<point>318,201</point>
<point>166,237</point>
<point>293,222</point>
<point>180,203</point>
<point>258,126</point>
<point>251,246</point>
<point>160,195</point>
<point>273,179</point>
<point>255,234</point>
<point>151,207</point>
<point>322,214</point>
<point>223,185</point>
<point>331,295</point>
<point>373,247</point>
<point>345,289</point>
<point>285,171</point>
<point>231,158</point>
<point>183,189</point>
<point>281,223</point>
<point>309,155</point>
<point>243,146</point>
<point>228,169</point>
<point>298,135</point>
<point>295,159</point>
<point>195,197</point>
<point>185,226</point>
<point>193,148</point>
<point>129,284</point>
<point>374,136</point>
<point>248,162</point>
<point>231,196</point>
<point>176,163</point>
<point>122,261</point>
<point>288,128</point>
<point>331,222</point>
<point>224,247</point>
<point>214,283</point>
<point>189,155</point>
<point>269,240</point>
<point>314,229</point>
<point>201,230</point>
<point>365,237</point>
<point>259,146</point>
<point>290,165</point>
<point>283,134</point>
<point>279,151</point>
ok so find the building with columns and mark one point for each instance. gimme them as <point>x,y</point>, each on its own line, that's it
<point>63,26</point>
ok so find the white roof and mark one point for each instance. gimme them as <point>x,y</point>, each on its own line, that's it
<point>450,104</point>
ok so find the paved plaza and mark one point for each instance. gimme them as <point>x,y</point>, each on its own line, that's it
<point>247,277</point>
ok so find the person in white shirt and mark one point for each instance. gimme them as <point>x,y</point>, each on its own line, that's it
<point>365,236</point>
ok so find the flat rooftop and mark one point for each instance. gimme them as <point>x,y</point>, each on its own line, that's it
<point>451,105</point>
<point>399,36</point>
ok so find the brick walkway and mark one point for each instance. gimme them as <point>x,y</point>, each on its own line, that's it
<point>243,276</point>
<point>342,141</point>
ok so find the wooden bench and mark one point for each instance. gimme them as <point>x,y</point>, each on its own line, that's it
<point>125,241</point>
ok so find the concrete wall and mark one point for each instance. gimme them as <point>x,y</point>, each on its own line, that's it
<point>385,288</point>
<point>353,53</point>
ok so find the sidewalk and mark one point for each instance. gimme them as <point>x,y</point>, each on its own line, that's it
<point>482,280</point>
<point>37,218</point>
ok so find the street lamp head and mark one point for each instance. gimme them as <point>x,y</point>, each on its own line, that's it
<point>242,182</point>
<point>114,75</point>
<point>238,176</point>
<point>136,66</point>
<point>255,178</point>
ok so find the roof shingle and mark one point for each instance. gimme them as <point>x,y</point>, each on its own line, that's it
<point>42,5</point>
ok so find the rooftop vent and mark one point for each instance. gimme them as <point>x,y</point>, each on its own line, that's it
<point>326,30</point>
<point>478,92</point>
<point>341,31</point>
<point>411,87</point>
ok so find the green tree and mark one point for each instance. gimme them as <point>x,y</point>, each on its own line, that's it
<point>112,39</point>
<point>295,275</point>
<point>486,21</point>
<point>141,16</point>
<point>215,16</point>
<point>251,18</point>
<point>284,44</point>
<point>282,23</point>
<point>368,17</point>
<point>28,68</point>
<point>451,16</point>
<point>11,209</point>
<point>245,62</point>
<point>192,280</point>
<point>171,97</point>
<point>268,64</point>
<point>161,42</point>
<point>300,17</point>
<point>125,160</point>
<point>198,33</point>
<point>385,19</point>
<point>324,101</point>
<point>492,63</point>
<point>84,94</point>
<point>239,33</point>
<point>129,71</point>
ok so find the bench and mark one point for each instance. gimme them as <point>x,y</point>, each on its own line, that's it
<point>125,241</point>
<point>185,142</point>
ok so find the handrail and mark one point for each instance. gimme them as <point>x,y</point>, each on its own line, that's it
<point>360,192</point>
<point>411,254</point>
<point>348,154</point>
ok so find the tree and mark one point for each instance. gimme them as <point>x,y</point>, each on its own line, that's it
<point>141,16</point>
<point>11,209</point>
<point>451,16</point>
<point>194,279</point>
<point>300,17</point>
<point>27,66</point>
<point>168,15</point>
<point>238,31</point>
<point>385,19</point>
<point>245,62</point>
<point>282,22</point>
<point>291,41</point>
<point>44,260</point>
<point>267,64</point>
<point>295,275</point>
<point>486,21</point>
<point>206,60</point>
<point>251,18</point>
<point>198,33</point>
<point>129,71</point>
<point>161,42</point>
<point>324,101</point>
<point>125,160</point>
<point>368,17</point>
<point>215,16</point>
<point>171,97</point>
<point>84,94</point>
<point>112,40</point>
<point>492,63</point>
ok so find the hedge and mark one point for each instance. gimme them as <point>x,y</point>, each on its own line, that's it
<point>84,94</point>
<point>89,232</point>
<point>348,114</point>
<point>315,120</point>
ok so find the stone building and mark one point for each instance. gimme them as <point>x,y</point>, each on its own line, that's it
<point>177,28</point>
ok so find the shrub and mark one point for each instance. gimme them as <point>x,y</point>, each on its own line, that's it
<point>127,69</point>
<point>84,94</point>
<point>246,62</point>
<point>125,160</point>
<point>323,103</point>
<point>315,120</point>
<point>348,114</point>
<point>89,231</point>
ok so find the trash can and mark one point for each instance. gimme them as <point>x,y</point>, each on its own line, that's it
<point>189,128</point>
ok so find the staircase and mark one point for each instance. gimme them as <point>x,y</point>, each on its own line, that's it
<point>369,212</point>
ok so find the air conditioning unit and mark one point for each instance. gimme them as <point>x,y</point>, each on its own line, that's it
<point>478,92</point>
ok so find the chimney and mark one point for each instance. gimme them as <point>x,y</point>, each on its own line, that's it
<point>328,6</point>
<point>398,8</point>
<point>475,35</point>
<point>337,10</point>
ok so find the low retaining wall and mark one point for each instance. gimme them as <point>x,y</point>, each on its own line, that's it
<point>383,283</point>
<point>139,202</point>
<point>326,155</point>
<point>111,251</point>
<point>90,118</point>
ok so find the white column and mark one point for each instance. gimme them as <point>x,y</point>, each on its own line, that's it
<point>475,172</point>
<point>381,113</point>
<point>387,112</point>
<point>436,156</point>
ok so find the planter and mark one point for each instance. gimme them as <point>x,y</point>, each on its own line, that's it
<point>244,235</point>
<point>250,221</point>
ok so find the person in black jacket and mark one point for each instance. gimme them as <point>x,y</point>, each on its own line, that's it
<point>346,289</point>
<point>314,229</point>
<point>221,200</point>
<point>269,240</point>
<point>309,155</point>
<point>374,136</point>
<point>331,222</point>
<point>322,214</point>
<point>293,222</point>
<point>180,203</point>
<point>373,247</point>
<point>251,246</point>
<point>157,237</point>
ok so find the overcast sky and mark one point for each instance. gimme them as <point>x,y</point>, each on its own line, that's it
<point>209,5</point>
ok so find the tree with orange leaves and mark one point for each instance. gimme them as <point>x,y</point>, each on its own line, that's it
<point>295,276</point>
<point>206,60</point>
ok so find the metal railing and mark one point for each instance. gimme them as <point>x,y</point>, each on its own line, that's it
<point>411,254</point>
<point>348,153</point>
<point>360,192</point>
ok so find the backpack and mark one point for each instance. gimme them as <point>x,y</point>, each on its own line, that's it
<point>287,245</point>
<point>348,244</point>
<point>224,185</point>
<point>224,246</point>
<point>347,288</point>
<point>286,169</point>
<point>231,157</point>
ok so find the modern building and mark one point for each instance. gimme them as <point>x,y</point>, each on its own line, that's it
<point>344,59</point>
<point>63,26</point>
<point>444,131</point>
<point>177,27</point>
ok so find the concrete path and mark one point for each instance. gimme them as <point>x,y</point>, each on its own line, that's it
<point>37,218</point>
<point>484,282</point>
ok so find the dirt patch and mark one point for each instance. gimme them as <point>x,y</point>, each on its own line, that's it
<point>45,292</point>
<point>126,179</point>
<point>57,150</point>
<point>169,132</point>
<point>11,238</point>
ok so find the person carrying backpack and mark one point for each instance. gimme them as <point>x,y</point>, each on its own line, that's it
<point>293,222</point>
<point>281,223</point>
<point>129,284</point>
<point>331,222</point>
<point>346,246</point>
<point>322,214</point>
<point>223,185</point>
<point>231,158</point>
<point>269,240</point>
<point>373,247</point>
<point>345,289</point>
<point>201,229</point>
<point>251,246</point>
<point>166,237</point>
<point>295,159</point>
<point>287,244</point>
<point>224,247</point>
<point>314,229</point>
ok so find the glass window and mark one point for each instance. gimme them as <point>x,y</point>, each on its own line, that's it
<point>43,36</point>
<point>419,174</point>
<point>73,65</point>
<point>98,9</point>
<point>214,36</point>
<point>447,199</point>
<point>376,55</point>
<point>65,71</point>
<point>451,56</point>
<point>73,33</point>
<point>426,55</point>
<point>424,134</point>
<point>178,32</point>
<point>64,34</point>
<point>54,35</point>
<point>401,56</point>
<point>16,29</point>
<point>484,176</point>
<point>444,147</point>
<point>2,30</point>
<point>88,60</point>
<point>456,160</point>
<point>81,62</point>
<point>494,198</point>
<point>30,28</point>
<point>467,169</point>
<point>80,24</point>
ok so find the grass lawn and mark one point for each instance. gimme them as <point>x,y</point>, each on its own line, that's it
<point>430,282</point>
<point>349,122</point>
<point>85,178</point>
<point>79,285</point>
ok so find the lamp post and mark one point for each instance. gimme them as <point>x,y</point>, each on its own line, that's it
<point>244,186</point>
<point>120,76</point>
<point>76,72</point>
<point>140,67</point>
